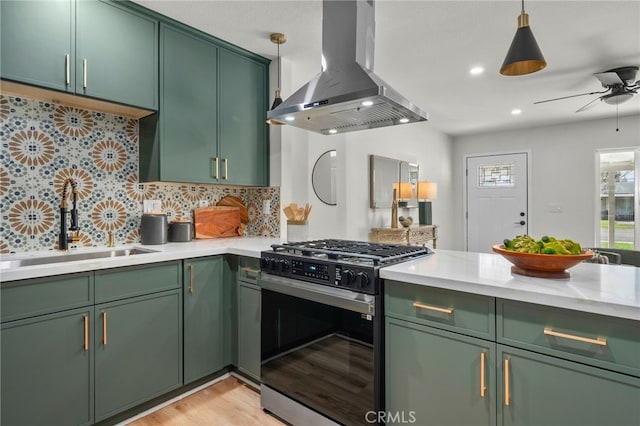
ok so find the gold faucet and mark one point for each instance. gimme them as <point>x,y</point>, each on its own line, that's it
<point>63,238</point>
<point>110,243</point>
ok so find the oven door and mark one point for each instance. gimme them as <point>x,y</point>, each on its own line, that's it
<point>321,348</point>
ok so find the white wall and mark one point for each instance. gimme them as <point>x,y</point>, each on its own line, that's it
<point>352,218</point>
<point>562,172</point>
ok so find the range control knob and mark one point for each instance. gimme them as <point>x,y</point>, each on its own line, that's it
<point>362,280</point>
<point>264,263</point>
<point>273,264</point>
<point>283,265</point>
<point>348,276</point>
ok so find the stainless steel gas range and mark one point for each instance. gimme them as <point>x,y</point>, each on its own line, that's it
<point>322,330</point>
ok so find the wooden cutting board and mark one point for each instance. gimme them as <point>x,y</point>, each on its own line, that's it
<point>216,222</point>
<point>231,201</point>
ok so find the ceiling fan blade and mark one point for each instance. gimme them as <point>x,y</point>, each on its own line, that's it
<point>609,78</point>
<point>589,105</point>
<point>572,96</point>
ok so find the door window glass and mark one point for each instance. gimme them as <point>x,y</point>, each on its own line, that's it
<point>495,175</point>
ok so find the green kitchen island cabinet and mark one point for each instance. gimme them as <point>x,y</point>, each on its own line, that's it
<point>537,389</point>
<point>455,357</point>
<point>249,309</point>
<point>213,101</point>
<point>438,377</point>
<point>47,370</point>
<point>203,317</point>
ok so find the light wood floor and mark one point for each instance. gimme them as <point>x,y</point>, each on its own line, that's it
<point>228,402</point>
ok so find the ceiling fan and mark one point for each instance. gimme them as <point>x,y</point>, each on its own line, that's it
<point>620,83</point>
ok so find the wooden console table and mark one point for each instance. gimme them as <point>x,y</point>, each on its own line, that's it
<point>416,235</point>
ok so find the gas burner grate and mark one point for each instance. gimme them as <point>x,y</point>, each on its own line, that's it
<point>377,253</point>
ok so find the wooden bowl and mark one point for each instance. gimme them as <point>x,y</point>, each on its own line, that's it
<point>542,265</point>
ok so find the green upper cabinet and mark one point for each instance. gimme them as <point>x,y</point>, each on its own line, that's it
<point>117,57</point>
<point>203,317</point>
<point>188,113</point>
<point>213,103</point>
<point>95,48</point>
<point>243,131</point>
<point>37,42</point>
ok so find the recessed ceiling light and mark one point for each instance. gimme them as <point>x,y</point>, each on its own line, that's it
<point>516,111</point>
<point>290,118</point>
<point>404,120</point>
<point>476,70</point>
<point>333,131</point>
<point>367,103</point>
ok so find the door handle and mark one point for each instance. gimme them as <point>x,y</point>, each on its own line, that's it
<point>483,386</point>
<point>104,328</point>
<point>522,222</point>
<point>86,333</point>
<point>84,73</point>
<point>190,279</point>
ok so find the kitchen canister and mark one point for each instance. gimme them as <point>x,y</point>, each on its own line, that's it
<point>297,230</point>
<point>153,228</point>
<point>180,231</point>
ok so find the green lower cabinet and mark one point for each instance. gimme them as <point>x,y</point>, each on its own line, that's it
<point>249,330</point>
<point>543,390</point>
<point>435,377</point>
<point>47,370</point>
<point>203,317</point>
<point>138,352</point>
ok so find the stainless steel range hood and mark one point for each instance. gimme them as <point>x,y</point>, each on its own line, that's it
<point>347,95</point>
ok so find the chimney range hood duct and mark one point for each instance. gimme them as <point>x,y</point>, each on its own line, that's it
<point>346,96</point>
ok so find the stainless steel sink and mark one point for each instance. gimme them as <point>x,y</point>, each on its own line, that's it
<point>70,257</point>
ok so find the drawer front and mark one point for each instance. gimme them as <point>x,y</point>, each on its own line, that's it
<point>113,284</point>
<point>27,298</point>
<point>607,342</point>
<point>465,313</point>
<point>249,270</point>
<point>422,233</point>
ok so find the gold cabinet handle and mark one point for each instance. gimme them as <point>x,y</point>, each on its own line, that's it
<point>506,382</point>
<point>86,332</point>
<point>433,308</point>
<point>67,74</point>
<point>215,160</point>
<point>191,279</point>
<point>104,328</point>
<point>597,341</point>
<point>226,170</point>
<point>84,73</point>
<point>483,387</point>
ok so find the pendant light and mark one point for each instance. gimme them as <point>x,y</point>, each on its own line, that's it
<point>277,38</point>
<point>524,56</point>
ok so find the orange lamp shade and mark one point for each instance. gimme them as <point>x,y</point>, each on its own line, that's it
<point>427,190</point>
<point>403,189</point>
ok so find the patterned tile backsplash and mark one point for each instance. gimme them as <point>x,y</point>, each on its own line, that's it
<point>44,143</point>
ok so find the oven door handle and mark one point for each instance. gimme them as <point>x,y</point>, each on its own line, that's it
<point>340,298</point>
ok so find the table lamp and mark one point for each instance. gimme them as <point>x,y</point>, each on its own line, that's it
<point>427,192</point>
<point>403,189</point>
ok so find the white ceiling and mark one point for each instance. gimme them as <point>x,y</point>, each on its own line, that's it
<point>424,49</point>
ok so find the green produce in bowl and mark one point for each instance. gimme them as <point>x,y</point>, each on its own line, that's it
<point>545,245</point>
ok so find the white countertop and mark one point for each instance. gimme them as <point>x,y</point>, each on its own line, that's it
<point>602,289</point>
<point>242,246</point>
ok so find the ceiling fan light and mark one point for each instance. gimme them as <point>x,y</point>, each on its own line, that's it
<point>524,55</point>
<point>616,99</point>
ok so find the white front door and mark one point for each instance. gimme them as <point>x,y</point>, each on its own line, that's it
<point>497,188</point>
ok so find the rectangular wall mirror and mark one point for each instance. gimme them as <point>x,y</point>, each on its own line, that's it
<point>385,174</point>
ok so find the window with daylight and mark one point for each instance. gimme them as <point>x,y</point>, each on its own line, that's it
<point>618,197</point>
<point>495,175</point>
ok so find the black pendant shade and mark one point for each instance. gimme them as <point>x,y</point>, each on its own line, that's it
<point>277,38</point>
<point>524,55</point>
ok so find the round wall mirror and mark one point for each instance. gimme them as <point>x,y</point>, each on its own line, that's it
<point>323,178</point>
